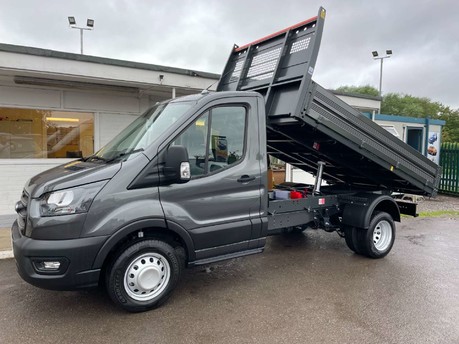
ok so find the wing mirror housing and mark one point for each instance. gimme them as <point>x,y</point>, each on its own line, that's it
<point>177,166</point>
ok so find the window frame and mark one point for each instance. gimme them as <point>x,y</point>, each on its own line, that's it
<point>209,110</point>
<point>52,160</point>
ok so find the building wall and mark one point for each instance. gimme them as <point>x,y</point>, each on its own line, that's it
<point>362,104</point>
<point>401,128</point>
<point>110,125</point>
<point>111,92</point>
<point>112,112</point>
<point>84,68</point>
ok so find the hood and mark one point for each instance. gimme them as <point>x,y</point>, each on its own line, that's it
<point>70,175</point>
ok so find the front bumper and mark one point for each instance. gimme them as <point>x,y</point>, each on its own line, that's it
<point>77,257</point>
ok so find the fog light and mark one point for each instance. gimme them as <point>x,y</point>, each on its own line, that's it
<point>51,265</point>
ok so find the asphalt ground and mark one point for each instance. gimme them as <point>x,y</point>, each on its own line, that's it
<point>305,288</point>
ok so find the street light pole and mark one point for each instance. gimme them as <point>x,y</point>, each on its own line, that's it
<point>381,58</point>
<point>89,26</point>
<point>380,71</point>
<point>81,47</point>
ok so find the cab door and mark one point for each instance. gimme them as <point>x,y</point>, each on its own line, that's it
<point>222,198</point>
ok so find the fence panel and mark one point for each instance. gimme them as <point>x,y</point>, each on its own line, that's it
<point>449,161</point>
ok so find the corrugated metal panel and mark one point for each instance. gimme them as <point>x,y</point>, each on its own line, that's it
<point>111,125</point>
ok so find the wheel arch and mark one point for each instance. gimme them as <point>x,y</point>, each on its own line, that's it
<point>359,214</point>
<point>389,206</point>
<point>154,228</point>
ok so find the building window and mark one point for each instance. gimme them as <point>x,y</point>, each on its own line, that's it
<point>29,134</point>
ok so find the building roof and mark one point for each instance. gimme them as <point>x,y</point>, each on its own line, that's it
<point>406,119</point>
<point>19,49</point>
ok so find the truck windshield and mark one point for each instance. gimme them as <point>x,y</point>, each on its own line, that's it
<point>143,131</point>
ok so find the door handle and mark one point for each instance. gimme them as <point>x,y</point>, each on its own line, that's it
<point>246,178</point>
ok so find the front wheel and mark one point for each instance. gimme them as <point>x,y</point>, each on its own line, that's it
<point>143,275</point>
<point>377,241</point>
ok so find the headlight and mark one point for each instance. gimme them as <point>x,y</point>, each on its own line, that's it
<point>71,201</point>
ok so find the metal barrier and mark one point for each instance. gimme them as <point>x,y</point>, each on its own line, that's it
<point>449,161</point>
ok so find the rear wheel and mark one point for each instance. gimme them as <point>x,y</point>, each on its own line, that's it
<point>377,241</point>
<point>143,275</point>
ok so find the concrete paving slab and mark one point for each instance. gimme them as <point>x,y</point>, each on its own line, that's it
<point>6,254</point>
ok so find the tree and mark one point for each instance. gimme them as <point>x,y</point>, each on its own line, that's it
<point>408,105</point>
<point>450,132</point>
<point>366,90</point>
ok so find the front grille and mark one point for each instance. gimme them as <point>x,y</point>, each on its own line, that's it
<point>22,212</point>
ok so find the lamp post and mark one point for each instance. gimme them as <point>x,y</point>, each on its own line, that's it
<point>377,57</point>
<point>89,26</point>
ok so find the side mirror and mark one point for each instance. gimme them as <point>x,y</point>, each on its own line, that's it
<point>177,167</point>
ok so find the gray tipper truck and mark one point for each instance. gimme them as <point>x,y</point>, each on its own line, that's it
<point>186,183</point>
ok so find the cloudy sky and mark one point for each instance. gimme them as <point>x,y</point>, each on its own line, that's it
<point>423,34</point>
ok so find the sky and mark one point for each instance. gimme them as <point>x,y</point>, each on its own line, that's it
<point>199,35</point>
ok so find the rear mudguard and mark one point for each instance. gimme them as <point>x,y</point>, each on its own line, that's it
<point>358,210</point>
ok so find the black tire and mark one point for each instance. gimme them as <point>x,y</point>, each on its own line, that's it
<point>372,244</point>
<point>348,232</point>
<point>144,275</point>
<point>355,240</point>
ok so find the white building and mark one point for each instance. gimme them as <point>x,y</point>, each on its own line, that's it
<point>360,102</point>
<point>55,106</point>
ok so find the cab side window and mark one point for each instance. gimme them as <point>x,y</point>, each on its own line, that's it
<point>226,144</point>
<point>215,140</point>
<point>194,138</point>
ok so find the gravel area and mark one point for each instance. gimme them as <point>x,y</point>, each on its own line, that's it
<point>438,203</point>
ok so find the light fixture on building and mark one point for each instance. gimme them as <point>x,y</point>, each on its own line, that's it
<point>89,26</point>
<point>381,58</point>
<point>62,119</point>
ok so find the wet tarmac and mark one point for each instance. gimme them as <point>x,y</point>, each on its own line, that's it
<point>306,288</point>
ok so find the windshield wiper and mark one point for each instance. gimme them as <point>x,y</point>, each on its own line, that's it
<point>124,154</point>
<point>93,158</point>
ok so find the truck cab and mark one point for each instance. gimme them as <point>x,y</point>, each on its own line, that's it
<point>72,218</point>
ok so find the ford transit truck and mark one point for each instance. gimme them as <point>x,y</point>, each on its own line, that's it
<point>187,182</point>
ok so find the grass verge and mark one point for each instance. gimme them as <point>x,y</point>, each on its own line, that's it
<point>438,213</point>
